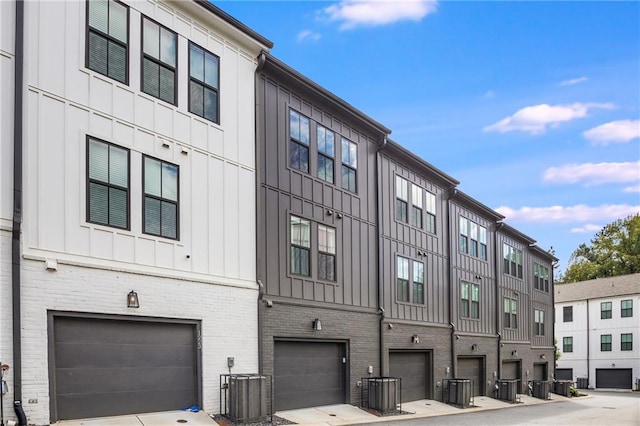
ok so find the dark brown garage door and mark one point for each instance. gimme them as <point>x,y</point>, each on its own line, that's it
<point>472,368</point>
<point>540,371</point>
<point>107,367</point>
<point>511,370</point>
<point>413,369</point>
<point>613,378</point>
<point>309,374</point>
<point>564,373</point>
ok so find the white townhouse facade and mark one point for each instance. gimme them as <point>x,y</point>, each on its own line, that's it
<point>598,331</point>
<point>132,128</point>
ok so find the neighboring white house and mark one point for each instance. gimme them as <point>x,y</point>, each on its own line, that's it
<point>138,132</point>
<point>597,328</point>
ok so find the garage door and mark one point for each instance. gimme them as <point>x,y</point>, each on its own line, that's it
<point>613,378</point>
<point>308,374</point>
<point>472,368</point>
<point>564,373</point>
<point>511,370</point>
<point>107,367</point>
<point>540,371</point>
<point>414,370</point>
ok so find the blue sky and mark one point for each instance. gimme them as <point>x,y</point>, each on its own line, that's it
<point>533,106</point>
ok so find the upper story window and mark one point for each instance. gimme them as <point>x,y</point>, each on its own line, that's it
<point>326,154</point>
<point>473,239</point>
<point>540,277</point>
<point>326,253</point>
<point>300,246</point>
<point>510,313</point>
<point>626,342</point>
<point>512,261</point>
<point>108,184</point>
<point>626,308</point>
<point>431,214</point>
<point>404,280</point>
<point>349,165</point>
<point>299,130</point>
<point>605,343</point>
<point>159,61</point>
<point>605,310</point>
<point>470,300</point>
<point>538,322</point>
<point>402,199</point>
<point>204,82</point>
<point>108,39</point>
<point>567,314</point>
<point>160,208</point>
<point>416,206</point>
<point>567,344</point>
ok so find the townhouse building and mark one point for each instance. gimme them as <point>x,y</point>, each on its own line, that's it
<point>597,332</point>
<point>127,225</point>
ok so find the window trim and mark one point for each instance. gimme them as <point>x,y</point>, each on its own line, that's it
<point>470,302</point>
<point>88,180</point>
<point>513,313</point>
<point>126,45</point>
<point>144,195</point>
<point>202,83</point>
<point>604,345</point>
<point>626,345</point>
<point>538,322</point>
<point>541,277</point>
<point>568,309</point>
<point>602,310</point>
<point>159,62</point>
<point>481,251</point>
<point>291,245</point>
<point>324,155</point>
<point>326,253</point>
<point>519,267</point>
<point>351,168</point>
<point>567,342</point>
<point>624,311</point>
<point>402,186</point>
<point>297,141</point>
<point>410,283</point>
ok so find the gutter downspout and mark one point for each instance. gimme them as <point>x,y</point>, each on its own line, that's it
<point>17,212</point>
<point>588,348</point>
<point>452,193</point>
<point>381,311</point>
<point>499,226</point>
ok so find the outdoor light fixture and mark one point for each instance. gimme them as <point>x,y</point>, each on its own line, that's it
<point>132,300</point>
<point>514,353</point>
<point>474,347</point>
<point>543,356</point>
<point>415,338</point>
<point>317,325</point>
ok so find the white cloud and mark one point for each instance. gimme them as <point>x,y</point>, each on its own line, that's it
<point>613,132</point>
<point>594,173</point>
<point>308,35</point>
<point>535,119</point>
<point>590,227</point>
<point>577,213</point>
<point>573,81</point>
<point>635,188</point>
<point>371,13</point>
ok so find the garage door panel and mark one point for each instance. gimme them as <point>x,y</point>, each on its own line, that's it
<point>413,369</point>
<point>105,355</point>
<point>92,330</point>
<point>472,368</point>
<point>614,378</point>
<point>564,374</point>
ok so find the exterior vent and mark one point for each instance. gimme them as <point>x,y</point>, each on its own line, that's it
<point>458,392</point>
<point>383,394</point>
<point>247,397</point>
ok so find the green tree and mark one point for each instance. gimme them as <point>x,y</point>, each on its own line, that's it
<point>614,250</point>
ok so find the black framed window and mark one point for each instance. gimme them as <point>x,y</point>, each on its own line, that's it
<point>540,277</point>
<point>107,184</point>
<point>204,83</point>
<point>108,39</point>
<point>300,246</point>
<point>431,213</point>
<point>473,235</point>
<point>626,308</point>
<point>567,314</point>
<point>626,342</point>
<point>470,300</point>
<point>538,322</point>
<point>402,199</point>
<point>349,165</point>
<point>326,154</point>
<point>299,130</point>
<point>416,206</point>
<point>402,272</point>
<point>482,234</point>
<point>510,313</point>
<point>161,193</point>
<point>605,343</point>
<point>605,310</point>
<point>472,239</point>
<point>464,235</point>
<point>567,344</point>
<point>159,61</point>
<point>326,253</point>
<point>418,282</point>
<point>512,261</point>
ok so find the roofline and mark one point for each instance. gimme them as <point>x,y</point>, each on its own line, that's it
<point>476,204</point>
<point>270,61</point>
<point>511,230</point>
<point>234,22</point>
<point>430,168</point>
<point>604,296</point>
<point>543,252</point>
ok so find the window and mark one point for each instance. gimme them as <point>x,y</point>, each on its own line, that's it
<point>403,279</point>
<point>108,184</point>
<point>326,154</point>
<point>567,314</point>
<point>300,246</point>
<point>470,300</point>
<point>510,313</point>
<point>402,198</point>
<point>540,277</point>
<point>431,213</point>
<point>512,261</point>
<point>349,165</point>
<point>418,282</point>
<point>204,82</point>
<point>538,321</point>
<point>626,308</point>
<point>160,198</point>
<point>159,61</point>
<point>107,39</point>
<point>567,344</point>
<point>464,235</point>
<point>605,310</point>
<point>326,253</point>
<point>299,141</point>
<point>473,238</point>
<point>626,342</point>
<point>483,242</point>
<point>416,206</point>
<point>605,343</point>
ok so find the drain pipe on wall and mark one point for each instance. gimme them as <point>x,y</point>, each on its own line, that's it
<point>498,227</point>
<point>452,193</point>
<point>381,311</point>
<point>17,212</point>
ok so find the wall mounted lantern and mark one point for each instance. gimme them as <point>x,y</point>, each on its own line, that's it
<point>543,356</point>
<point>132,300</point>
<point>514,353</point>
<point>415,338</point>
<point>317,325</point>
<point>474,347</point>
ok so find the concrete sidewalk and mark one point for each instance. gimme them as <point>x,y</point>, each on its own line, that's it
<point>166,418</point>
